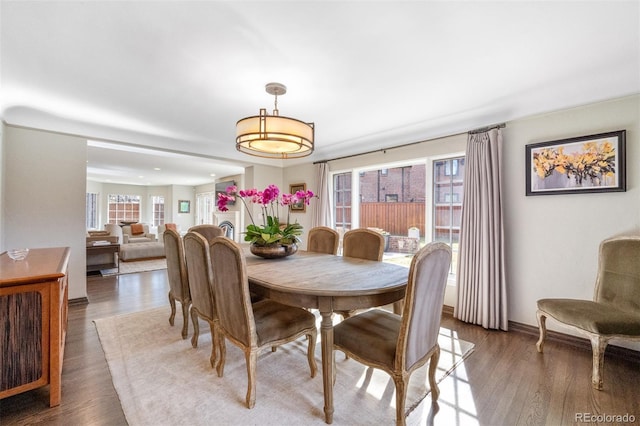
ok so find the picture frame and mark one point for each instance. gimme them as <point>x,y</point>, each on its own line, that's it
<point>585,164</point>
<point>184,206</point>
<point>300,207</point>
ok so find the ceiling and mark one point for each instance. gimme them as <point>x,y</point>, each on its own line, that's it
<point>174,77</point>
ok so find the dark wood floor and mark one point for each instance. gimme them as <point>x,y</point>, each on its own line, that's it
<point>504,382</point>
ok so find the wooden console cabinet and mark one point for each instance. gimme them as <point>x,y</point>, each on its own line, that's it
<point>33,321</point>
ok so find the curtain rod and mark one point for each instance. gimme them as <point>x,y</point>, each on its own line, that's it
<point>479,130</point>
<point>487,128</point>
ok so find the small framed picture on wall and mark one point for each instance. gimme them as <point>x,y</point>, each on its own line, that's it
<point>184,206</point>
<point>301,206</point>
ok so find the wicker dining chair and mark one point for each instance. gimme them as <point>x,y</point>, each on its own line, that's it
<point>252,327</point>
<point>178,278</point>
<point>198,263</point>
<point>401,344</point>
<point>362,243</point>
<point>322,239</point>
<point>208,231</point>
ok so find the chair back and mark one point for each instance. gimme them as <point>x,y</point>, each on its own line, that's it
<point>322,239</point>
<point>618,280</point>
<point>231,287</point>
<point>208,231</point>
<point>363,244</point>
<point>196,253</point>
<point>176,266</point>
<point>424,298</point>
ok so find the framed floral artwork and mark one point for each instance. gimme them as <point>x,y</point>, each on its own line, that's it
<point>301,206</point>
<point>594,163</point>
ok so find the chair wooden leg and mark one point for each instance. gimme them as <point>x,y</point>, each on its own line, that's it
<point>222,350</point>
<point>543,330</point>
<point>433,367</point>
<point>252,361</point>
<point>185,320</point>
<point>401,395</point>
<point>214,347</point>
<point>598,347</point>
<point>196,328</point>
<point>172,303</point>
<point>311,349</point>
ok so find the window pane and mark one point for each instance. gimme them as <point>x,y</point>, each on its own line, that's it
<point>342,200</point>
<point>92,210</point>
<point>448,190</point>
<point>123,208</point>
<point>158,210</point>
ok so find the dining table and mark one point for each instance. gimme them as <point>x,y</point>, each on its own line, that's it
<point>328,283</point>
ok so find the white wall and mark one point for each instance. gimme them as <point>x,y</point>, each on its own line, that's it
<point>44,196</point>
<point>552,241</point>
<point>2,190</point>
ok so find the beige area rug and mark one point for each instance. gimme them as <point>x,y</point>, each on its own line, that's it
<point>137,266</point>
<point>161,380</point>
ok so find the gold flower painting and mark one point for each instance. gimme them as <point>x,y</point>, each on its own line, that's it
<point>588,163</point>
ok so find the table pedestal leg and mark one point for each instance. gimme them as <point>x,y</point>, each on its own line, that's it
<point>326,333</point>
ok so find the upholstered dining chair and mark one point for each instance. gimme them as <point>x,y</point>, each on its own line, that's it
<point>322,239</point>
<point>178,278</point>
<point>252,327</point>
<point>363,243</point>
<point>401,344</point>
<point>201,286</point>
<point>614,311</point>
<point>208,231</point>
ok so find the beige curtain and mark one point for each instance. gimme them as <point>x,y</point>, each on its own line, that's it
<point>482,293</point>
<point>322,216</point>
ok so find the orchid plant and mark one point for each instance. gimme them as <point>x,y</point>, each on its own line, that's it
<point>270,200</point>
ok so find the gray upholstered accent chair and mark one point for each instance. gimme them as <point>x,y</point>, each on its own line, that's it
<point>208,231</point>
<point>201,287</point>
<point>401,344</point>
<point>178,278</point>
<point>363,244</point>
<point>615,309</point>
<point>322,239</point>
<point>252,327</point>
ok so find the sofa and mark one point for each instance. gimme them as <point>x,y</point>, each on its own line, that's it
<point>142,235</point>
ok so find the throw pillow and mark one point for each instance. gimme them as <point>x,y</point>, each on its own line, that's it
<point>171,226</point>
<point>137,229</point>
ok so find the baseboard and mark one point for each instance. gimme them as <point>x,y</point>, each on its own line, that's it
<point>567,339</point>
<point>79,301</point>
<point>447,310</point>
<point>575,341</point>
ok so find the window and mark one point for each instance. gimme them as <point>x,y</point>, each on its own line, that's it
<point>205,207</point>
<point>342,200</point>
<point>124,208</point>
<point>448,189</point>
<point>392,200</point>
<point>158,210</point>
<point>92,210</point>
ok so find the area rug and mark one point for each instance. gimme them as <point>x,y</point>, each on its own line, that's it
<point>162,380</point>
<point>136,266</point>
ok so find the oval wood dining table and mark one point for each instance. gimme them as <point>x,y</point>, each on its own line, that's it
<point>328,283</point>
